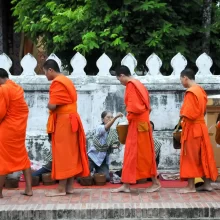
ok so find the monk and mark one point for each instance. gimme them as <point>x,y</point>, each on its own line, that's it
<point>196,158</point>
<point>13,123</point>
<point>139,156</point>
<point>68,138</point>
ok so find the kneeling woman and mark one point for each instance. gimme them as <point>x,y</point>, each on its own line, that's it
<point>104,140</point>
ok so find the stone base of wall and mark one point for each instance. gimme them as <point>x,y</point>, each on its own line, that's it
<point>38,148</point>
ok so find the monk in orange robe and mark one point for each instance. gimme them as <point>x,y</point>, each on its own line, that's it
<point>196,158</point>
<point>65,127</point>
<point>13,123</point>
<point>139,156</point>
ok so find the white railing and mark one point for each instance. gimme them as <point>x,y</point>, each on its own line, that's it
<point>104,63</point>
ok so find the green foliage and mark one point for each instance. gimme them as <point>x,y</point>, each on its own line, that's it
<point>118,27</point>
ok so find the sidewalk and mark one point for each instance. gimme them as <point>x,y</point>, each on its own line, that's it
<point>102,204</point>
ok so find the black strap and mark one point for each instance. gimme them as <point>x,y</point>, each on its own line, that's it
<point>178,125</point>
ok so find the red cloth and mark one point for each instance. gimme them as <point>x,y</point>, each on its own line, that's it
<point>139,157</point>
<point>13,123</point>
<point>68,136</point>
<point>197,158</point>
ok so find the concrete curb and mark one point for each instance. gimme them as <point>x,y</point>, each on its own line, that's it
<point>180,211</point>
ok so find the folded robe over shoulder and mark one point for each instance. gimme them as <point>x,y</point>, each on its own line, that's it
<point>68,137</point>
<point>13,123</point>
<point>139,157</point>
<point>197,158</point>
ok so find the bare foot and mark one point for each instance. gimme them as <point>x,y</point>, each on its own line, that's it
<point>56,192</point>
<point>27,193</point>
<point>124,188</point>
<point>70,191</point>
<point>153,188</point>
<point>205,188</point>
<point>186,190</point>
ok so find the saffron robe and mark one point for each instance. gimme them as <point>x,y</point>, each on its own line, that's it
<point>13,123</point>
<point>139,156</point>
<point>197,158</point>
<point>68,137</point>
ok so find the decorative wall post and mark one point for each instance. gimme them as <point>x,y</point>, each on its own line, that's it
<point>78,63</point>
<point>154,64</point>
<point>130,61</point>
<point>5,62</point>
<point>178,64</point>
<point>204,63</point>
<point>28,64</point>
<point>104,64</point>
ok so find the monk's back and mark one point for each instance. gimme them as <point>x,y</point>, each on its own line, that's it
<point>201,97</point>
<point>196,158</point>
<point>17,111</point>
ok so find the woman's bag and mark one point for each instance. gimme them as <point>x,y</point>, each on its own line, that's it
<point>177,136</point>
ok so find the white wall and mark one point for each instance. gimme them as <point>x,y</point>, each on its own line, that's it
<point>103,91</point>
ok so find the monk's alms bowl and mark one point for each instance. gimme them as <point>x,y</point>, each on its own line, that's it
<point>122,131</point>
<point>35,180</point>
<point>86,181</point>
<point>100,179</point>
<point>47,180</point>
<point>141,181</point>
<point>11,183</point>
<point>177,135</point>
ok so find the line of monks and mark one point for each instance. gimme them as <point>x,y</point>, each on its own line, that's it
<point>68,138</point>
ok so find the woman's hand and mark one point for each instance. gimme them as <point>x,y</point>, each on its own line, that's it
<point>115,146</point>
<point>119,115</point>
<point>110,123</point>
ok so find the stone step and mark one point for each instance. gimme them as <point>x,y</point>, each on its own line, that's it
<point>166,210</point>
<point>102,204</point>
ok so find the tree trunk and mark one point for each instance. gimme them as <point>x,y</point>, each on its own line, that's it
<point>2,28</point>
<point>207,13</point>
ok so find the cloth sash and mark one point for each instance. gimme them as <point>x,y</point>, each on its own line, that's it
<point>199,120</point>
<point>70,109</point>
<point>184,132</point>
<point>186,121</point>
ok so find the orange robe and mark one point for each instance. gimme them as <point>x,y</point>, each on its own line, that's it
<point>139,156</point>
<point>13,123</point>
<point>68,137</point>
<point>197,158</point>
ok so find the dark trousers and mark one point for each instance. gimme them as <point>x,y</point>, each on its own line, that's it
<point>104,168</point>
<point>40,172</point>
